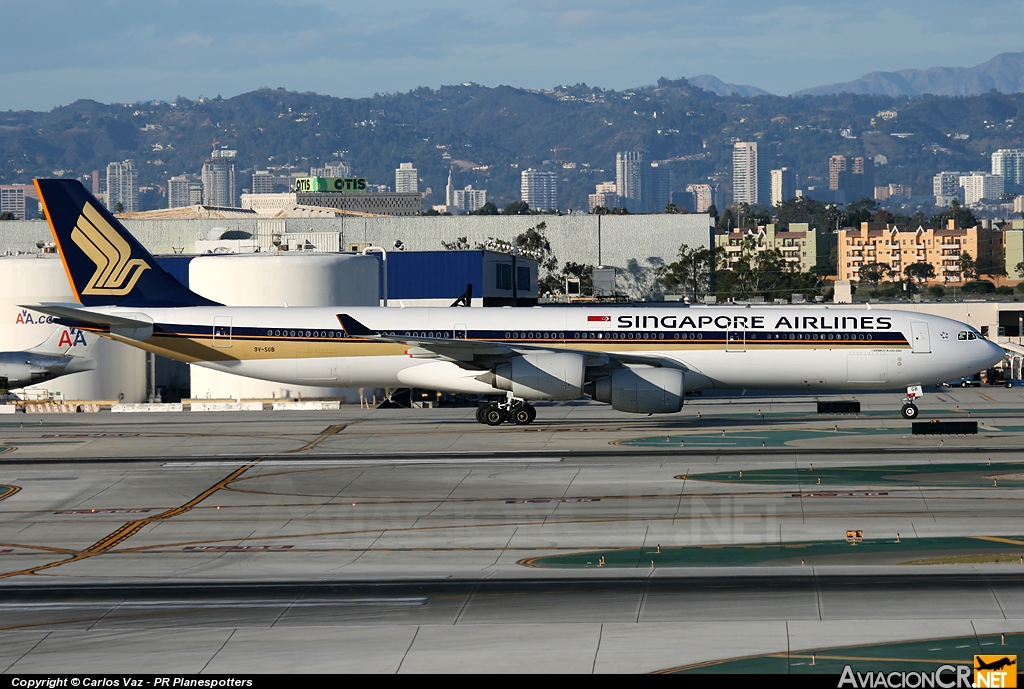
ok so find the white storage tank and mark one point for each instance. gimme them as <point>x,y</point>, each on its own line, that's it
<point>120,369</point>
<point>276,280</point>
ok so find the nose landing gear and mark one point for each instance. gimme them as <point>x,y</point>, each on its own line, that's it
<point>514,411</point>
<point>909,410</point>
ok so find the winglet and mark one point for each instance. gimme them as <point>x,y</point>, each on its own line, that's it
<point>354,328</point>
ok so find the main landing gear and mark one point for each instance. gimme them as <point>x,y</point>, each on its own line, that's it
<point>910,411</point>
<point>513,411</point>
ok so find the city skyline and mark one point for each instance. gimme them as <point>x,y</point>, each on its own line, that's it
<point>166,52</point>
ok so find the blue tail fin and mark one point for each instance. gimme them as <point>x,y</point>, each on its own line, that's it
<point>104,262</point>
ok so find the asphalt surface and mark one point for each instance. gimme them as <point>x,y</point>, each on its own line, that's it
<point>418,540</point>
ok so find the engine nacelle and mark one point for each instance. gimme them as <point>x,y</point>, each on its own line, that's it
<point>542,376</point>
<point>642,390</point>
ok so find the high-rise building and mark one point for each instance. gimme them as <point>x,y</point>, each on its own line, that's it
<point>980,186</point>
<point>469,199</point>
<point>263,182</point>
<point>178,195</point>
<point>122,187</point>
<point>539,189</point>
<point>604,196</point>
<point>783,185</point>
<point>838,178</point>
<point>12,200</point>
<point>219,186</point>
<point>657,188</point>
<point>851,178</point>
<point>1009,164</point>
<point>946,187</point>
<point>629,180</point>
<point>407,179</point>
<point>745,178</point>
<point>703,197</point>
<point>862,178</point>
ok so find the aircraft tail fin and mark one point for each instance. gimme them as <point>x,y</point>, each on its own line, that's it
<point>105,264</point>
<point>64,340</point>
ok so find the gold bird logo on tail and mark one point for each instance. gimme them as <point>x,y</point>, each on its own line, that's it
<point>116,271</point>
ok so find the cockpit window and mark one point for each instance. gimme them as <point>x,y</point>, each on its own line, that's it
<point>966,335</point>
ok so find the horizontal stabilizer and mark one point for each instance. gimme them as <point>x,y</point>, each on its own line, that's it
<point>79,315</point>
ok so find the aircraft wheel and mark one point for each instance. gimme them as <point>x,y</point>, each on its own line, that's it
<point>522,416</point>
<point>909,411</point>
<point>494,416</point>
<point>533,412</point>
<point>481,414</point>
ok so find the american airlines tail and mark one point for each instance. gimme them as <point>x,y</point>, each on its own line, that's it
<point>105,264</point>
<point>66,340</point>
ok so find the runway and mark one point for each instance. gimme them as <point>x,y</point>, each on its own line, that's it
<point>416,540</point>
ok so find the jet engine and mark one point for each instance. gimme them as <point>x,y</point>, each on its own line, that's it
<point>541,376</point>
<point>642,390</point>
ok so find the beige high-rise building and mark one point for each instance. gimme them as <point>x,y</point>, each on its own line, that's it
<point>703,197</point>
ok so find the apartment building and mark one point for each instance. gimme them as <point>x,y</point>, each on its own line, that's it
<point>898,247</point>
<point>800,243</point>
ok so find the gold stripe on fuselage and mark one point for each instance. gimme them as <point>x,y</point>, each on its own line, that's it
<point>199,349</point>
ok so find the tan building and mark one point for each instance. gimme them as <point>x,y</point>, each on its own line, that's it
<point>897,248</point>
<point>799,244</point>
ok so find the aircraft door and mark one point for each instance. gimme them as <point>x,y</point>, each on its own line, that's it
<point>921,341</point>
<point>222,332</point>
<point>459,333</point>
<point>735,341</point>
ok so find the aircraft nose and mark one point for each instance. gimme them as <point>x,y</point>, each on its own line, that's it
<point>995,353</point>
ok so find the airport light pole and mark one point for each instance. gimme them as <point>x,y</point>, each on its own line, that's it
<point>384,253</point>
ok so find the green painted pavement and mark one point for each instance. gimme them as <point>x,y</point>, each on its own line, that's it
<point>909,656</point>
<point>978,474</point>
<point>8,491</point>
<point>779,437</point>
<point>746,555</point>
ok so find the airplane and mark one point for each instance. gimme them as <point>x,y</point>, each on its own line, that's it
<point>64,352</point>
<point>995,664</point>
<point>639,359</point>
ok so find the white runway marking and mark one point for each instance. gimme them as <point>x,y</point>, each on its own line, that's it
<point>368,462</point>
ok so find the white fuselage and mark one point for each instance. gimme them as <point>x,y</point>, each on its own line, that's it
<point>720,347</point>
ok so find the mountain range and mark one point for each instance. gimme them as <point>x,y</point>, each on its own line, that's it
<point>1004,73</point>
<point>488,135</point>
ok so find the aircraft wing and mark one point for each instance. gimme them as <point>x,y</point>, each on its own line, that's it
<point>484,355</point>
<point>122,326</point>
<point>77,313</point>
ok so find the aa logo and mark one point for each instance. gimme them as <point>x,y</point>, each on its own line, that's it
<point>72,338</point>
<point>995,671</point>
<point>26,318</point>
<point>116,270</point>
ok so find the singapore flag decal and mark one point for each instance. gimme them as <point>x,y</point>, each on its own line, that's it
<point>601,319</point>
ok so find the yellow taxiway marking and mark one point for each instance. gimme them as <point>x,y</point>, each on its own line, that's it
<point>999,540</point>
<point>133,527</point>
